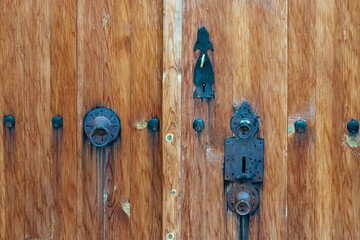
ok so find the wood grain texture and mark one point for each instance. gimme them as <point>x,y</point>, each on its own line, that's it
<point>90,90</point>
<point>301,106</point>
<point>171,118</point>
<point>246,84</point>
<point>146,75</point>
<point>192,185</point>
<point>117,71</point>
<point>63,103</point>
<point>38,194</point>
<point>219,22</point>
<point>289,59</point>
<point>350,12</point>
<point>12,140</point>
<point>329,207</point>
<point>273,112</point>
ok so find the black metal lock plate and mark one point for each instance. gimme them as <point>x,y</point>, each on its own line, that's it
<point>203,71</point>
<point>244,155</point>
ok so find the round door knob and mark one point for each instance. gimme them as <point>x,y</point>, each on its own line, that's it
<point>243,199</point>
<point>101,126</point>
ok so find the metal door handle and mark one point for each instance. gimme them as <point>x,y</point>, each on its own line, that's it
<point>101,126</point>
<point>244,164</point>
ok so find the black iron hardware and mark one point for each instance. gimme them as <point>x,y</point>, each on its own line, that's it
<point>243,199</point>
<point>203,71</point>
<point>9,121</point>
<point>300,126</point>
<point>57,121</point>
<point>101,126</point>
<point>353,127</point>
<point>244,155</point>
<point>244,164</point>
<point>198,125</point>
<point>153,124</point>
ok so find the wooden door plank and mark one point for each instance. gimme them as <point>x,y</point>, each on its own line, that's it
<point>246,84</point>
<point>63,103</point>
<point>171,118</point>
<point>273,112</point>
<point>192,186</point>
<point>329,217</point>
<point>301,106</point>
<point>146,75</point>
<point>38,196</point>
<point>11,103</point>
<point>90,164</point>
<point>219,22</point>
<point>117,92</point>
<point>350,12</point>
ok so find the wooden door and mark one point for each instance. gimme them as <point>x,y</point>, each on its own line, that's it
<point>289,59</point>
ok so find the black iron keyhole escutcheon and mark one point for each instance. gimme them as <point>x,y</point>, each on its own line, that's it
<point>203,71</point>
<point>101,126</point>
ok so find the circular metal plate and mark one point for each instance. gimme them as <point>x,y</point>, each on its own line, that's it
<point>101,126</point>
<point>238,188</point>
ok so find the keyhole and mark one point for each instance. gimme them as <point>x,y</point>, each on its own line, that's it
<point>243,164</point>
<point>204,85</point>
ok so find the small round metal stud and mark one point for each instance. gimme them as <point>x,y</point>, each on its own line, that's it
<point>57,121</point>
<point>170,236</point>
<point>353,127</point>
<point>154,124</point>
<point>9,121</point>
<point>300,126</point>
<point>198,125</point>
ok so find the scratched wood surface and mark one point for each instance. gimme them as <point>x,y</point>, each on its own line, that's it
<point>289,59</point>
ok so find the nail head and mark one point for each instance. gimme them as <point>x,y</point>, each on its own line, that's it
<point>57,121</point>
<point>353,127</point>
<point>9,121</point>
<point>300,126</point>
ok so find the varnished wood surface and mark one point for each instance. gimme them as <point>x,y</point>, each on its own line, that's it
<point>289,59</point>
<point>12,146</point>
<point>301,106</point>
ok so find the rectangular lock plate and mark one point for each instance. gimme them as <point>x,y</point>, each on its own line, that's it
<point>244,155</point>
<point>244,160</point>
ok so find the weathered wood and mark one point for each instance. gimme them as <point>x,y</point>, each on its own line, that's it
<point>63,103</point>
<point>191,188</point>
<point>12,140</point>
<point>146,75</point>
<point>246,84</point>
<point>329,207</point>
<point>171,118</point>
<point>301,105</point>
<point>117,67</point>
<point>90,160</point>
<point>38,194</point>
<point>219,22</point>
<point>289,59</point>
<point>350,12</point>
<point>273,116</point>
